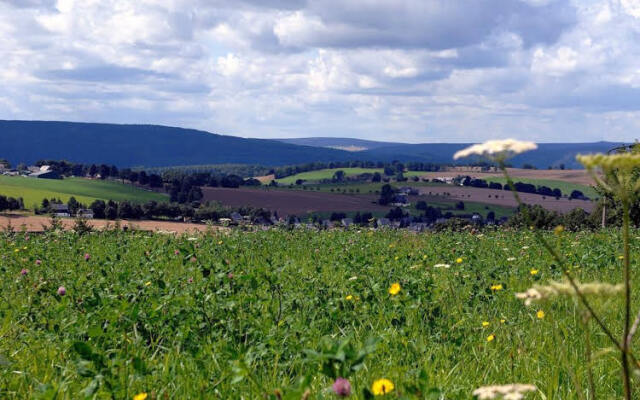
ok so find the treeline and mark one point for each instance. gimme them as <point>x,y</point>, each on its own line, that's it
<point>242,170</point>
<point>153,210</point>
<point>521,187</point>
<point>395,166</point>
<point>10,203</point>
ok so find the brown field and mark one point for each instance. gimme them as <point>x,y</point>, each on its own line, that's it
<point>503,198</point>
<point>579,176</point>
<point>288,202</point>
<point>35,223</point>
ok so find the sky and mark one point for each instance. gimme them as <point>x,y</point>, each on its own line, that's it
<point>393,70</point>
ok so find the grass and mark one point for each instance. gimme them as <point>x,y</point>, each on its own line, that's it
<point>328,174</point>
<point>84,190</point>
<point>139,317</point>
<point>566,187</point>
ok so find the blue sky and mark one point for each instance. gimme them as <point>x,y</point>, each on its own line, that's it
<point>400,70</point>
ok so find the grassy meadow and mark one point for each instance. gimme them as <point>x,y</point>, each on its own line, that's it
<point>328,174</point>
<point>84,190</point>
<point>241,315</point>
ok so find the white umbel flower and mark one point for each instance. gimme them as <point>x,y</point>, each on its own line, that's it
<point>496,148</point>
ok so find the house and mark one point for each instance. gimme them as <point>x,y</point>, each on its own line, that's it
<point>85,213</point>
<point>44,172</point>
<point>347,222</point>
<point>60,210</point>
<point>383,222</point>
<point>400,200</point>
<point>236,217</point>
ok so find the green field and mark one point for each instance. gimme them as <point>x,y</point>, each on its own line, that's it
<point>566,187</point>
<point>84,190</point>
<point>328,174</point>
<point>241,315</point>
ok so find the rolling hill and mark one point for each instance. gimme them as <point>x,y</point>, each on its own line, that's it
<point>146,145</point>
<point>163,146</point>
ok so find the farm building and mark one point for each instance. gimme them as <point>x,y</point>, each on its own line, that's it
<point>85,213</point>
<point>44,172</point>
<point>60,210</point>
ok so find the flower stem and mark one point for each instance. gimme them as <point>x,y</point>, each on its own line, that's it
<point>627,299</point>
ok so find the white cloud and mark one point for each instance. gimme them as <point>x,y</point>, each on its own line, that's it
<point>415,70</point>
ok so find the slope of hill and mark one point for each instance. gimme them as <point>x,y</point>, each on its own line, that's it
<point>84,190</point>
<point>161,146</point>
<point>146,145</point>
<point>339,143</point>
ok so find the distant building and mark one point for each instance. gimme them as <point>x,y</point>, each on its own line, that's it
<point>60,210</point>
<point>85,213</point>
<point>45,173</point>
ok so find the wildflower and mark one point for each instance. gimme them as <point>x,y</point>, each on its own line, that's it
<point>147,283</point>
<point>87,256</point>
<point>491,337</point>
<point>485,324</point>
<point>140,396</point>
<point>16,250</point>
<point>190,280</point>
<point>558,229</point>
<point>24,272</point>
<point>502,321</point>
<point>349,297</point>
<point>62,291</point>
<point>176,252</point>
<point>220,242</point>
<point>540,314</point>
<point>441,266</point>
<point>554,289</point>
<point>381,387</point>
<point>193,259</point>
<point>533,271</point>
<point>394,289</point>
<point>396,258</point>
<point>511,259</point>
<point>497,287</point>
<point>496,149</point>
<point>341,387</point>
<point>620,257</point>
<point>353,278</point>
<point>515,391</point>
<point>38,262</point>
<point>459,260</point>
<point>230,275</point>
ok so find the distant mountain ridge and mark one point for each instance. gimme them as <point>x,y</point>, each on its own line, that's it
<point>163,146</point>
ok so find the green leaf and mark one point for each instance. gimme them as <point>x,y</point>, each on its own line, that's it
<point>83,350</point>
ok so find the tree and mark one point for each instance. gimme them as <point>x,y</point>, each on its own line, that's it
<point>389,171</point>
<point>338,176</point>
<point>460,205</point>
<point>111,210</point>
<point>93,170</point>
<point>73,205</point>
<point>143,179</point>
<point>376,177</point>
<point>386,195</point>
<point>98,208</point>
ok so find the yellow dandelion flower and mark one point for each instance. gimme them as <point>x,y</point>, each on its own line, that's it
<point>491,337</point>
<point>391,246</point>
<point>147,283</point>
<point>540,314</point>
<point>485,323</point>
<point>140,396</point>
<point>220,242</point>
<point>620,257</point>
<point>349,297</point>
<point>459,260</point>
<point>533,272</point>
<point>497,287</point>
<point>424,257</point>
<point>396,258</point>
<point>394,289</point>
<point>502,321</point>
<point>381,387</point>
<point>16,250</point>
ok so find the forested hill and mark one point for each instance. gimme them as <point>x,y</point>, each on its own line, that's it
<point>155,145</point>
<point>146,145</point>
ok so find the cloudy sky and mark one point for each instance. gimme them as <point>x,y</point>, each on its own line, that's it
<point>401,70</point>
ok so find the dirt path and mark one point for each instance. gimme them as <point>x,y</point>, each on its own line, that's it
<point>35,224</point>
